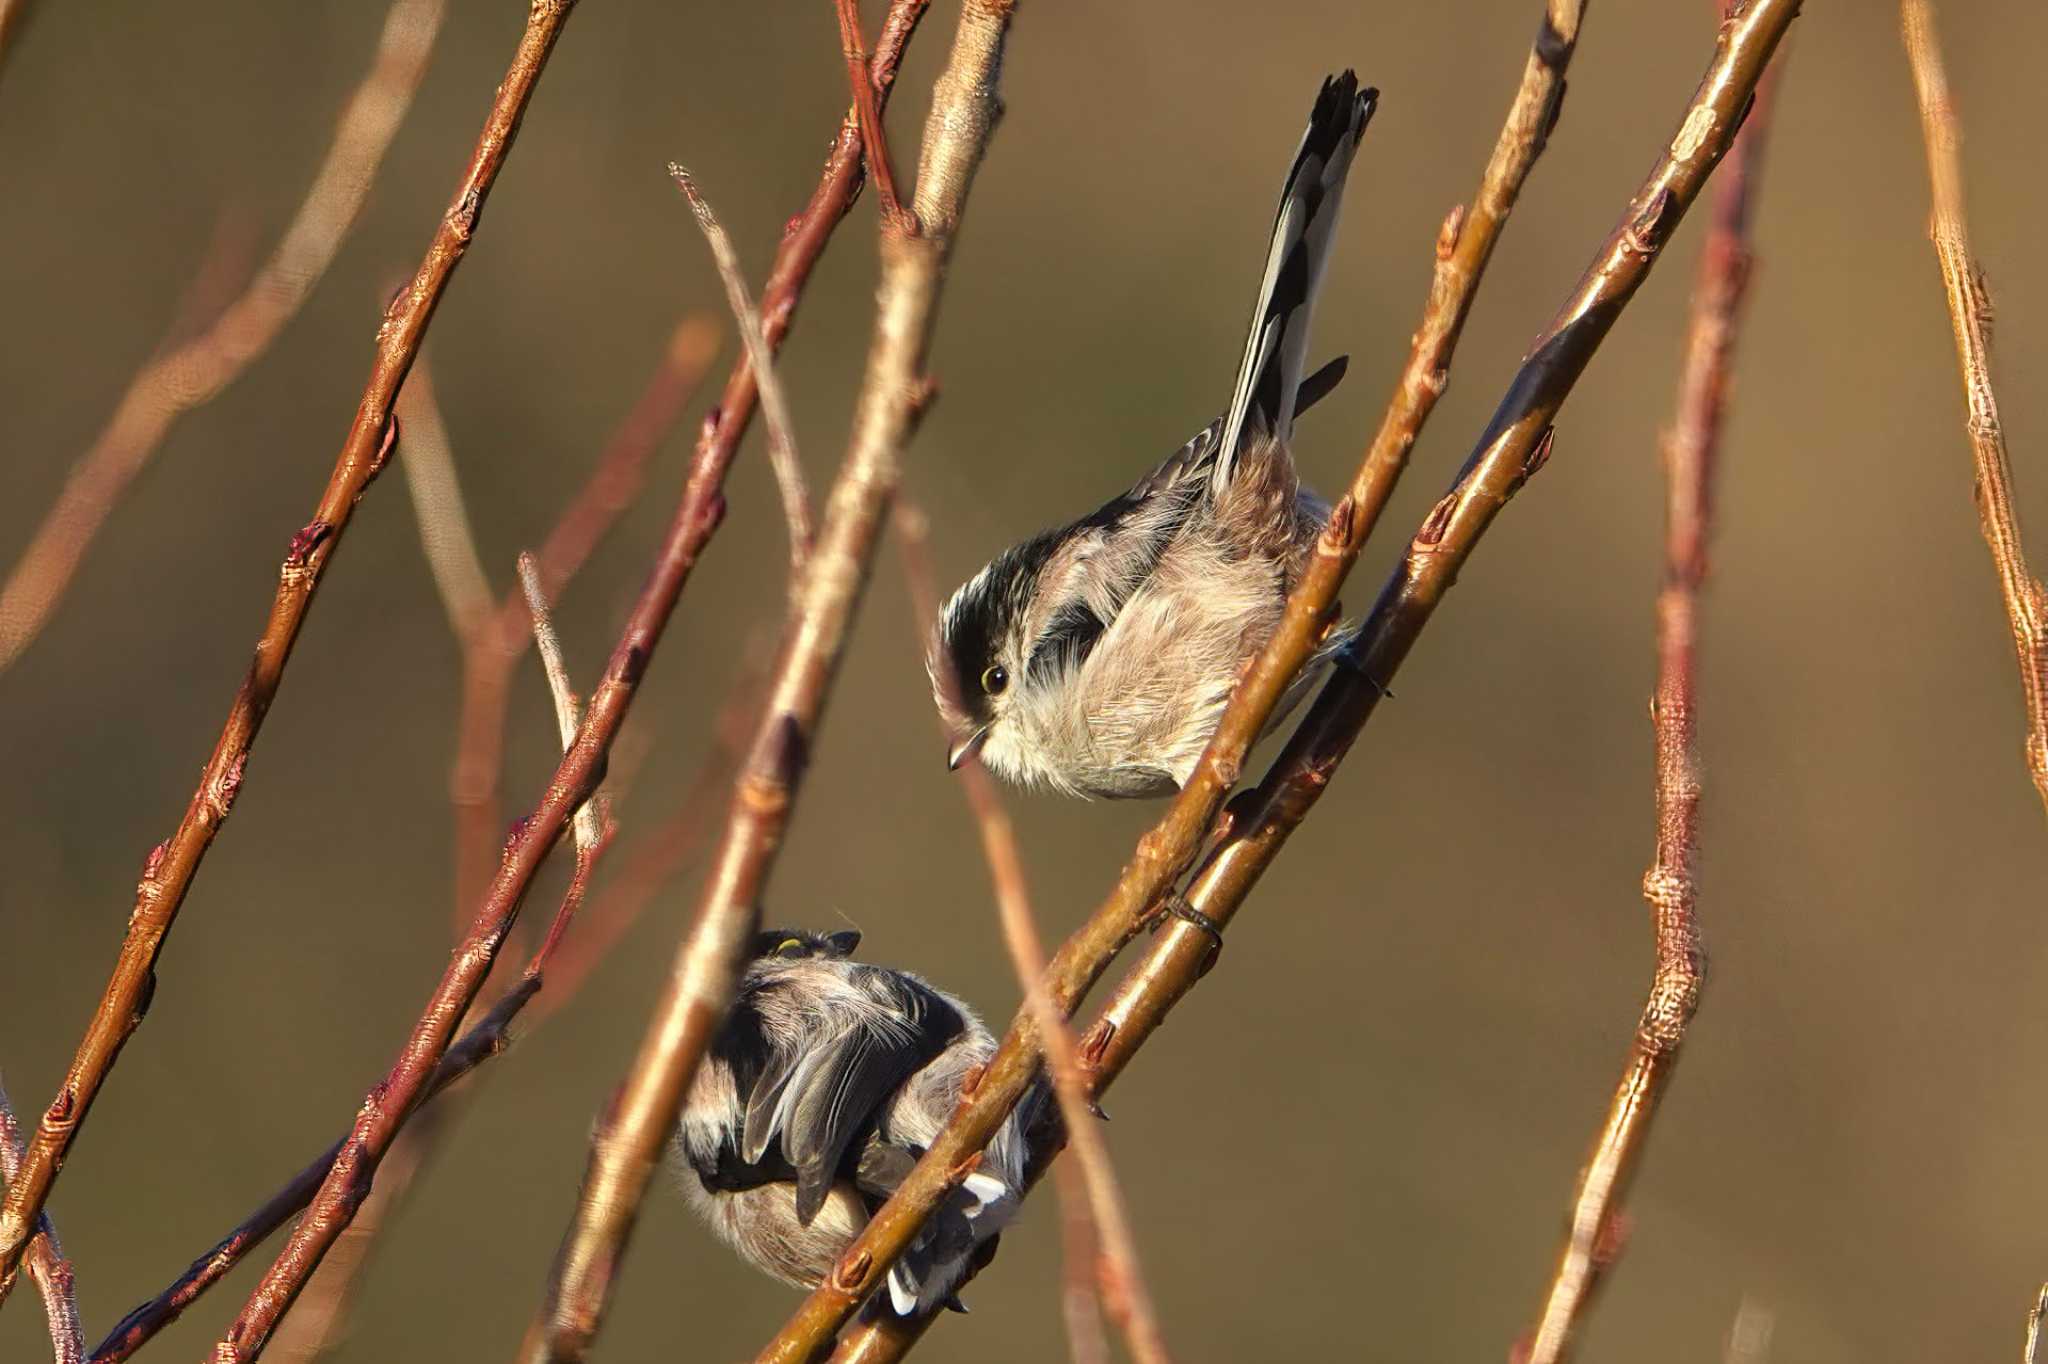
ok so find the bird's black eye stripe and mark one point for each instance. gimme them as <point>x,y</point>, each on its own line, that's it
<point>1073,634</point>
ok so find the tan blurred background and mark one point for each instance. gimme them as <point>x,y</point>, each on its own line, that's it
<point>1357,1139</point>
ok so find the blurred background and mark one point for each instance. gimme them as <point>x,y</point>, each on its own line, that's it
<point>1358,1138</point>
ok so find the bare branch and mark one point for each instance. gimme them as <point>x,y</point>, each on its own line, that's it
<point>445,534</point>
<point>866,110</point>
<point>557,670</point>
<point>635,1130</point>
<point>45,1259</point>
<point>194,373</point>
<point>168,873</point>
<point>1969,307</point>
<point>1258,823</point>
<point>1671,885</point>
<point>1129,1300</point>
<point>782,456</point>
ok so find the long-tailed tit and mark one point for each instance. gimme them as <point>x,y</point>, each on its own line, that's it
<point>827,1082</point>
<point>1097,658</point>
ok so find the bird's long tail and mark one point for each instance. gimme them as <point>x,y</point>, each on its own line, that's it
<point>1263,404</point>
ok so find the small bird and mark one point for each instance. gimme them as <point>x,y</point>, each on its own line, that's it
<point>1097,658</point>
<point>828,1080</point>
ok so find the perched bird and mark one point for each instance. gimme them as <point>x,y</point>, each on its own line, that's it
<point>1097,658</point>
<point>827,1082</point>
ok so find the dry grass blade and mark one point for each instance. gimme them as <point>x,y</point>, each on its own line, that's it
<point>634,1131</point>
<point>1969,307</point>
<point>782,456</point>
<point>429,468</point>
<point>194,373</point>
<point>45,1259</point>
<point>172,865</point>
<point>1128,1299</point>
<point>1671,885</point>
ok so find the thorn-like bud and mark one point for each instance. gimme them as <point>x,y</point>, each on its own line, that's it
<point>1447,236</point>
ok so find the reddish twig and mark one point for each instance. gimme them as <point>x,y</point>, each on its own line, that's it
<point>45,1259</point>
<point>168,873</point>
<point>1258,823</point>
<point>633,1133</point>
<point>782,456</point>
<point>1969,307</point>
<point>493,652</point>
<point>867,110</point>
<point>193,373</point>
<point>1671,885</point>
<point>1080,1299</point>
<point>1128,1299</point>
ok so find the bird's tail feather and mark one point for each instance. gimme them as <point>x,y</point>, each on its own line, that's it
<point>1270,374</point>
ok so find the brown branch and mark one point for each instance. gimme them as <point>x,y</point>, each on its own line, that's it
<point>45,1259</point>
<point>168,873</point>
<point>1969,306</point>
<point>634,1131</point>
<point>12,13</point>
<point>782,456</point>
<point>563,973</point>
<point>867,111</point>
<point>493,652</point>
<point>437,504</point>
<point>1080,1301</point>
<point>1258,823</point>
<point>1671,885</point>
<point>803,242</point>
<point>1463,249</point>
<point>192,374</point>
<point>2031,1353</point>
<point>1128,1299</point>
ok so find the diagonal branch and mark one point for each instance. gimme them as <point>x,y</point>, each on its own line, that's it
<point>789,470</point>
<point>169,871</point>
<point>867,111</point>
<point>437,504</point>
<point>1463,249</point>
<point>1128,1300</point>
<point>1258,823</point>
<point>635,1129</point>
<point>1671,885</point>
<point>45,1259</point>
<point>1969,306</point>
<point>193,373</point>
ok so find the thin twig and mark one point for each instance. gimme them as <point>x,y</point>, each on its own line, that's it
<point>170,868</point>
<point>2032,1353</point>
<point>12,13</point>
<point>1258,823</point>
<point>1749,1336</point>
<point>559,689</point>
<point>445,535</point>
<point>1969,307</point>
<point>194,373</point>
<point>1127,1298</point>
<point>494,652</point>
<point>866,110</point>
<point>782,456</point>
<point>1671,885</point>
<point>634,1131</point>
<point>562,963</point>
<point>1080,1299</point>
<point>45,1259</point>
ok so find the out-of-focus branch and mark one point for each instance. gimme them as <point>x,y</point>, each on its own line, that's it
<point>192,374</point>
<point>562,962</point>
<point>782,456</point>
<point>1463,249</point>
<point>1080,1247</point>
<point>567,719</point>
<point>1671,885</point>
<point>1128,1299</point>
<point>171,866</point>
<point>45,1259</point>
<point>635,1129</point>
<point>12,13</point>
<point>436,491</point>
<point>494,651</point>
<point>1749,1336</point>
<point>1969,307</point>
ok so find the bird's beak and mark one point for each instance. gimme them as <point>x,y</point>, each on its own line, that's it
<point>966,748</point>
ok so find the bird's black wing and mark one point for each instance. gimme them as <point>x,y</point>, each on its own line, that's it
<point>820,1098</point>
